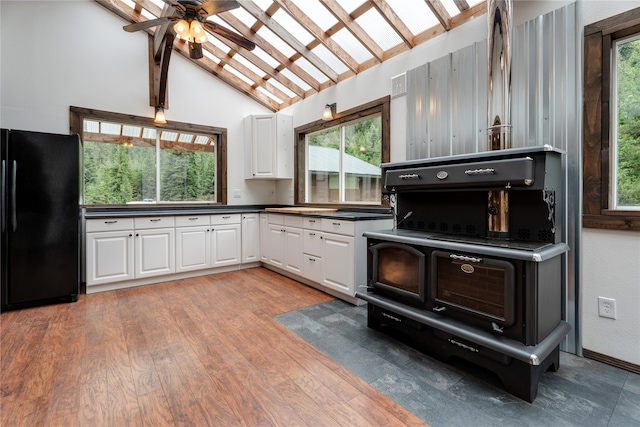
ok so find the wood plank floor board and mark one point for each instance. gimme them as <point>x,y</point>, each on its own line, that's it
<point>196,352</point>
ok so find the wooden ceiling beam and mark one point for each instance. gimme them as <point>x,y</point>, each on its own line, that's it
<point>271,50</point>
<point>212,67</point>
<point>394,21</point>
<point>321,37</point>
<point>461,4</point>
<point>440,12</point>
<point>288,38</point>
<point>352,26</point>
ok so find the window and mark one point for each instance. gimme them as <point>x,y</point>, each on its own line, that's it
<point>338,162</point>
<point>611,143</point>
<point>626,124</point>
<point>130,160</point>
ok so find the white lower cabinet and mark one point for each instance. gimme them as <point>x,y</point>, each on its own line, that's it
<point>226,240</point>
<point>193,248</point>
<point>250,238</point>
<point>328,253</point>
<point>338,263</point>
<point>334,253</point>
<point>154,246</point>
<point>109,257</point>
<point>155,252</point>
<point>293,249</point>
<point>264,237</point>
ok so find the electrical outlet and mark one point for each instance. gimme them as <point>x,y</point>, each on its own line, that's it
<point>237,194</point>
<point>607,307</point>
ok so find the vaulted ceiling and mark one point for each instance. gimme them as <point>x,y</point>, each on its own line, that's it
<point>306,46</point>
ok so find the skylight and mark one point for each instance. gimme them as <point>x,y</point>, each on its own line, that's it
<point>304,46</point>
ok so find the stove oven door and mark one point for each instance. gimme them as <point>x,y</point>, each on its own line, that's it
<point>398,271</point>
<point>473,288</point>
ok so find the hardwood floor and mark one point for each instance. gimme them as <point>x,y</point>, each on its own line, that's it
<point>196,352</point>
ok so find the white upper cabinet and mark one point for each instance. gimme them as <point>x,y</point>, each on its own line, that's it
<point>268,146</point>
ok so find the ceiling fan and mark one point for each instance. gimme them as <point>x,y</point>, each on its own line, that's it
<point>190,21</point>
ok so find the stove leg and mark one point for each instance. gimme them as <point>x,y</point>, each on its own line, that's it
<point>522,379</point>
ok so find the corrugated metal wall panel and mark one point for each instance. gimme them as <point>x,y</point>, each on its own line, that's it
<point>545,110</point>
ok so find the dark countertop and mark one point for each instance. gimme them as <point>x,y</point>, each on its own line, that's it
<point>348,214</point>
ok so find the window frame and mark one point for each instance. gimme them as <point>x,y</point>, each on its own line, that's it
<point>77,115</point>
<point>599,40</point>
<point>379,106</point>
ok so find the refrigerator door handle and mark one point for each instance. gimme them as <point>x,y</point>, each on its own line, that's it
<point>14,216</point>
<point>3,214</point>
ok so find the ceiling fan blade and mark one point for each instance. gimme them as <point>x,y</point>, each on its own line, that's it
<point>212,7</point>
<point>229,35</point>
<point>175,4</point>
<point>148,24</point>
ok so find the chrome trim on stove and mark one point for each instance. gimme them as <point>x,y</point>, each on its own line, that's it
<point>481,171</point>
<point>465,258</point>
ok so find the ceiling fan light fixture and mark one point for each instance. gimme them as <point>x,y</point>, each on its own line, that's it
<point>197,32</point>
<point>182,29</point>
<point>160,118</point>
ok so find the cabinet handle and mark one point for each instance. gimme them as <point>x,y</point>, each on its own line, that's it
<point>312,259</point>
<point>312,220</point>
<point>336,223</point>
<point>193,219</point>
<point>110,222</point>
<point>137,235</point>
<point>226,217</point>
<point>312,234</point>
<point>156,220</point>
<point>130,235</point>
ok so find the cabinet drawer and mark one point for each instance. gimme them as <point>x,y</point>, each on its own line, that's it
<point>312,268</point>
<point>192,220</point>
<point>293,221</point>
<point>276,219</point>
<point>312,223</point>
<point>312,242</point>
<point>225,219</point>
<point>153,222</point>
<point>338,226</point>
<point>109,224</point>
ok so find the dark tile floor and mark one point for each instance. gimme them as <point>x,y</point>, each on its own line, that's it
<point>582,393</point>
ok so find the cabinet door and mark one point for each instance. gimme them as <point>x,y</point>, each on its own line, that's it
<point>250,238</point>
<point>155,252</point>
<point>193,248</point>
<point>338,260</point>
<point>264,237</point>
<point>225,245</point>
<point>264,146</point>
<point>109,257</point>
<point>293,249</point>
<point>276,245</point>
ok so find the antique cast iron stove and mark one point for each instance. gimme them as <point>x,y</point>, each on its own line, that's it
<point>442,278</point>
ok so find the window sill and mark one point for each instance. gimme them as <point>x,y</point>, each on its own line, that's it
<point>613,220</point>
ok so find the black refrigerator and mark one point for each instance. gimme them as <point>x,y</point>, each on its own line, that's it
<point>40,218</point>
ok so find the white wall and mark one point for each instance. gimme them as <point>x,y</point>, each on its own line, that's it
<point>55,64</point>
<point>76,53</point>
<point>611,260</point>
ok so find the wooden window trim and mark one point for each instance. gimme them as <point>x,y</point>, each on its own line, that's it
<point>596,166</point>
<point>380,105</point>
<point>78,114</point>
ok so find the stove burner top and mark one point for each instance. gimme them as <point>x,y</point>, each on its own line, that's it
<point>527,251</point>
